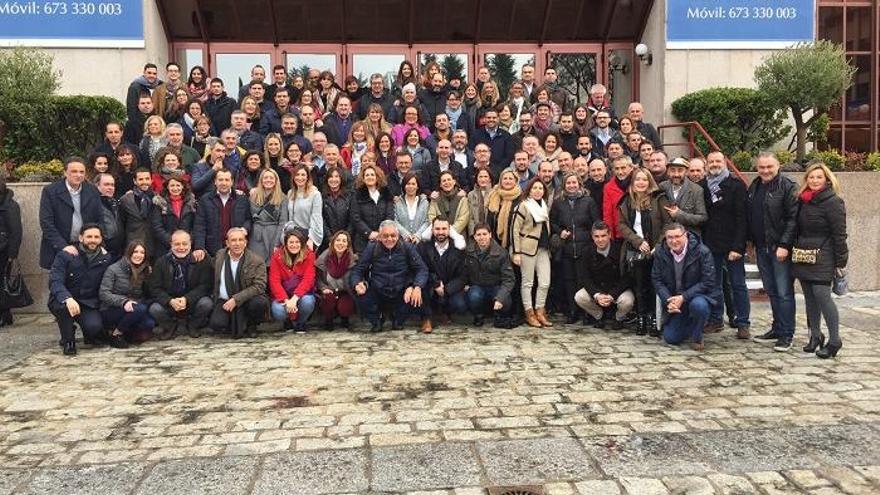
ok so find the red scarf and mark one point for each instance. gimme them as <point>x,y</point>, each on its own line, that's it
<point>176,205</point>
<point>809,194</point>
<point>337,265</point>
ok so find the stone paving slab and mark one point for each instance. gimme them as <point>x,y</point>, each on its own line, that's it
<point>535,462</point>
<point>843,445</point>
<point>424,467</point>
<point>115,479</point>
<point>738,451</point>
<point>314,473</point>
<point>645,455</point>
<point>223,476</point>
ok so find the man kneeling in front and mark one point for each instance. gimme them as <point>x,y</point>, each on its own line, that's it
<point>684,278</point>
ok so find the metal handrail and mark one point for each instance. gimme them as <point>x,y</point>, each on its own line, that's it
<point>692,145</point>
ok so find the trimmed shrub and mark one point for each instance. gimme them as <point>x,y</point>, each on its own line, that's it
<point>785,157</point>
<point>57,126</point>
<point>832,158</point>
<point>39,171</point>
<point>873,161</point>
<point>738,119</point>
<point>743,160</point>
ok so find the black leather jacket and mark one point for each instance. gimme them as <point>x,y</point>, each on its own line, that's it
<point>780,211</point>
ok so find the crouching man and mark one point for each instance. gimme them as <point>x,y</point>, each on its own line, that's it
<point>239,288</point>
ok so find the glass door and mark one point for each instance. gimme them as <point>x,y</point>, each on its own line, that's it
<point>505,63</point>
<point>362,61</point>
<point>455,61</point>
<point>233,65</point>
<point>299,59</point>
<point>577,68</point>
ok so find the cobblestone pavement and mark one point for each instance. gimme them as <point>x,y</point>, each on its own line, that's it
<point>578,411</point>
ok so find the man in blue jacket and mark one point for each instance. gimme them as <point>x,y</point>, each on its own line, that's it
<point>498,140</point>
<point>389,272</point>
<point>74,281</point>
<point>65,207</point>
<point>684,279</point>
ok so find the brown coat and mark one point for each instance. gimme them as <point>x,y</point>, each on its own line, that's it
<point>252,270</point>
<point>659,218</point>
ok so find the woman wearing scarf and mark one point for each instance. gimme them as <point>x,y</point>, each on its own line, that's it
<point>571,218</point>
<point>642,215</point>
<point>411,210</point>
<point>328,92</point>
<point>500,205</point>
<point>197,84</point>
<point>582,121</point>
<point>386,158</point>
<point>168,165</point>
<point>124,301</point>
<point>451,205</point>
<point>531,250</point>
<point>359,142</point>
<point>478,198</point>
<point>821,224</point>
<point>154,138</point>
<point>177,108</point>
<point>517,101</point>
<point>194,110</point>
<point>268,210</point>
<point>292,282</point>
<point>173,209</point>
<point>333,270</point>
<point>471,101</point>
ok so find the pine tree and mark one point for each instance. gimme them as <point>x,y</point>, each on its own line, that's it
<point>452,67</point>
<point>502,68</point>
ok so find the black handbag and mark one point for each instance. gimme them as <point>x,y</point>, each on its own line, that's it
<point>14,291</point>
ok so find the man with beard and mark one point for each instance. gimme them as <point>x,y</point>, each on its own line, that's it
<point>74,282</point>
<point>433,99</point>
<point>460,151</point>
<point>697,171</point>
<point>557,93</point>
<point>585,149</point>
<point>525,129</point>
<point>239,288</point>
<point>378,95</point>
<point>686,204</point>
<point>499,141</point>
<point>725,236</point>
<point>657,165</point>
<point>521,168</point>
<point>614,191</point>
<point>135,209</point>
<point>603,134</point>
<point>149,84</point>
<point>568,134</point>
<point>446,276</point>
<point>181,289</point>
<point>188,155</point>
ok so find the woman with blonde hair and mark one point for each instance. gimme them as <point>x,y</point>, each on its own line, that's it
<point>268,210</point>
<point>251,109</point>
<point>358,144</point>
<point>375,121</point>
<point>154,137</point>
<point>531,250</point>
<point>642,214</point>
<point>500,205</point>
<point>820,254</point>
<point>489,98</point>
<point>305,207</point>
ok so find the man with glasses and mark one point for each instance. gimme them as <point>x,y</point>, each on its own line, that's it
<point>378,95</point>
<point>459,118</point>
<point>603,134</point>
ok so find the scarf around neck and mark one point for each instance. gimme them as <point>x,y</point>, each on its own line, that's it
<point>447,203</point>
<point>338,265</point>
<point>500,203</point>
<point>714,181</point>
<point>538,210</point>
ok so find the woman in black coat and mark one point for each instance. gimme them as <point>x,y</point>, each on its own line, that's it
<point>173,209</point>
<point>372,204</point>
<point>571,218</point>
<point>337,206</point>
<point>821,224</point>
<point>10,240</point>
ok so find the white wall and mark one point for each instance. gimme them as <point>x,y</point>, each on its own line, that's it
<point>108,71</point>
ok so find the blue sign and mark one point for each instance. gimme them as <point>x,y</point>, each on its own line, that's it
<point>96,23</point>
<point>736,24</point>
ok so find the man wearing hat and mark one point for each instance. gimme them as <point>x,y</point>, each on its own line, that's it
<point>687,204</point>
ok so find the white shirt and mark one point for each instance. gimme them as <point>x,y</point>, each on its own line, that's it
<point>441,248</point>
<point>234,265</point>
<point>224,198</point>
<point>461,158</point>
<point>637,224</point>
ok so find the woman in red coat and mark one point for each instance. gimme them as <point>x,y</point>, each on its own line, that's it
<point>292,282</point>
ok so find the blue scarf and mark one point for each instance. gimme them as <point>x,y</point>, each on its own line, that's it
<point>453,117</point>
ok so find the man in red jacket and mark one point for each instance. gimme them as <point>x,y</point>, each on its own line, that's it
<point>614,191</point>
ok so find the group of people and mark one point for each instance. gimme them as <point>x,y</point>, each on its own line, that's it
<point>422,201</point>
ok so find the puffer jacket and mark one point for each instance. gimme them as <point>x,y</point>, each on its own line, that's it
<point>821,224</point>
<point>697,278</point>
<point>116,288</point>
<point>575,215</point>
<point>366,215</point>
<point>489,269</point>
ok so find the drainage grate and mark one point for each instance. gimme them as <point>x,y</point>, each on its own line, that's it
<point>516,490</point>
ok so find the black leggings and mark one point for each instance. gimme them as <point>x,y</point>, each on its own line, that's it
<point>643,288</point>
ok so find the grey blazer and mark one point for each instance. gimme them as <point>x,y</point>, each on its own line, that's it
<point>417,226</point>
<point>692,207</point>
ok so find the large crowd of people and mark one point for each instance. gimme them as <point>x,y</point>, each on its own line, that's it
<point>422,201</point>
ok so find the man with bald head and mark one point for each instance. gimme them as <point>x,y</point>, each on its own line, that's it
<point>649,132</point>
<point>443,163</point>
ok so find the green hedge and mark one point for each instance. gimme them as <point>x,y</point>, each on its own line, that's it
<point>56,126</point>
<point>738,119</point>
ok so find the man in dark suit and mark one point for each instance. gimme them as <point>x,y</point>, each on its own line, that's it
<point>65,207</point>
<point>498,140</point>
<point>218,212</point>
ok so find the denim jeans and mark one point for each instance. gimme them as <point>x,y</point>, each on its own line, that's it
<point>138,320</point>
<point>678,327</point>
<point>451,304</point>
<point>481,300</point>
<point>779,285</point>
<point>305,306</point>
<point>736,271</point>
